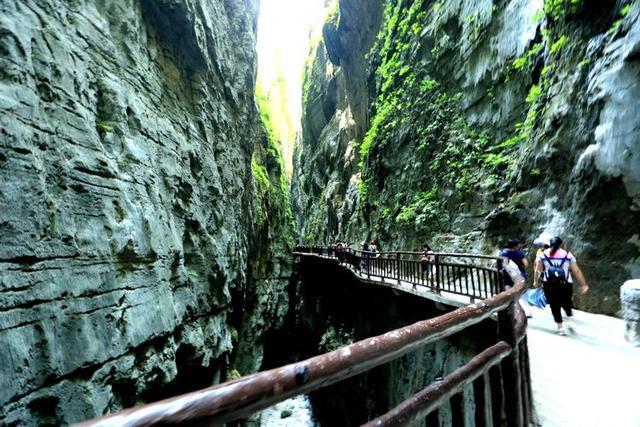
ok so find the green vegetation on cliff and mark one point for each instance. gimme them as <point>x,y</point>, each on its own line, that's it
<point>267,168</point>
<point>481,120</point>
<point>453,155</point>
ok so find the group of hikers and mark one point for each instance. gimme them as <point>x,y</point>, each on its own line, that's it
<point>555,268</point>
<point>554,271</point>
<point>369,249</point>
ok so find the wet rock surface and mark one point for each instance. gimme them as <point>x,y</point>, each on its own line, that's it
<point>630,298</point>
<point>129,243</point>
<point>483,121</point>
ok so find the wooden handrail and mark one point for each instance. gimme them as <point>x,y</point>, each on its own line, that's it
<point>242,397</point>
<point>227,402</point>
<point>431,397</point>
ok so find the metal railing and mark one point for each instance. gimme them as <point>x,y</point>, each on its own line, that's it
<point>475,276</point>
<point>504,366</point>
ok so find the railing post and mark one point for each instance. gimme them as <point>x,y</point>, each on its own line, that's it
<point>526,382</point>
<point>437,278</point>
<point>479,398</point>
<point>398,266</point>
<point>513,404</point>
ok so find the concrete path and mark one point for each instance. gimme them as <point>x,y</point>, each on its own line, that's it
<point>587,379</point>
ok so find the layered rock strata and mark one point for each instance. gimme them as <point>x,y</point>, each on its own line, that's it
<point>134,254</point>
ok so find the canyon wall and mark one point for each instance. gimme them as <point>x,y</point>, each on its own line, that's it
<point>463,124</point>
<point>144,221</point>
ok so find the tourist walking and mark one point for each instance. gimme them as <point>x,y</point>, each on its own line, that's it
<point>364,259</point>
<point>373,248</point>
<point>557,268</point>
<point>427,261</point>
<point>536,297</point>
<point>543,241</point>
<point>515,254</point>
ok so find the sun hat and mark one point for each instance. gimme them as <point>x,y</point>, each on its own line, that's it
<point>542,240</point>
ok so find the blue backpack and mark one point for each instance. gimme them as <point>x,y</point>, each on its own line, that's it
<point>555,273</point>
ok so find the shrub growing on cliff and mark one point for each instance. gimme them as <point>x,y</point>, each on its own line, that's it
<point>557,9</point>
<point>267,170</point>
<point>413,109</point>
<point>424,212</point>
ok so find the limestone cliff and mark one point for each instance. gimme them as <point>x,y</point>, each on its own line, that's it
<point>139,191</point>
<point>465,123</point>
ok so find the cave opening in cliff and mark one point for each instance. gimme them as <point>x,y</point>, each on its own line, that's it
<point>286,29</point>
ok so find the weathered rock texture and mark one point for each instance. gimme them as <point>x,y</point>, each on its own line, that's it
<point>484,120</point>
<point>134,260</point>
<point>630,298</point>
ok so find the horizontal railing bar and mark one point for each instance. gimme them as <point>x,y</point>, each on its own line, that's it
<point>240,398</point>
<point>443,254</point>
<point>430,398</point>
<point>446,254</point>
<point>448,264</point>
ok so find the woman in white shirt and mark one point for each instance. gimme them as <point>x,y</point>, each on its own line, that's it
<point>557,268</point>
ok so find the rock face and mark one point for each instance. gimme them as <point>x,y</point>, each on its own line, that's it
<point>463,124</point>
<point>630,298</point>
<point>134,220</point>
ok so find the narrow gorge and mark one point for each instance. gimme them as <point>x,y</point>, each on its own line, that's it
<point>464,124</point>
<point>147,219</point>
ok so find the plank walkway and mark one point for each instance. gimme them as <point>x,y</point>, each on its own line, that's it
<point>586,379</point>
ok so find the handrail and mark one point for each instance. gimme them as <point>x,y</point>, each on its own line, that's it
<point>434,395</point>
<point>461,276</point>
<point>239,398</point>
<point>416,253</point>
<point>431,397</point>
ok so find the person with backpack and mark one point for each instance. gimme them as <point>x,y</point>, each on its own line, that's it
<point>558,267</point>
<point>373,248</point>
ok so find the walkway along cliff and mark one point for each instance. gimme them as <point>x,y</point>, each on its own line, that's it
<point>146,233</point>
<point>465,123</point>
<point>497,379</point>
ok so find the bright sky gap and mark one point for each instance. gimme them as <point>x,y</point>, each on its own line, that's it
<point>285,28</point>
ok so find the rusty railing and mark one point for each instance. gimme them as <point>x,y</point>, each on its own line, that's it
<point>503,366</point>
